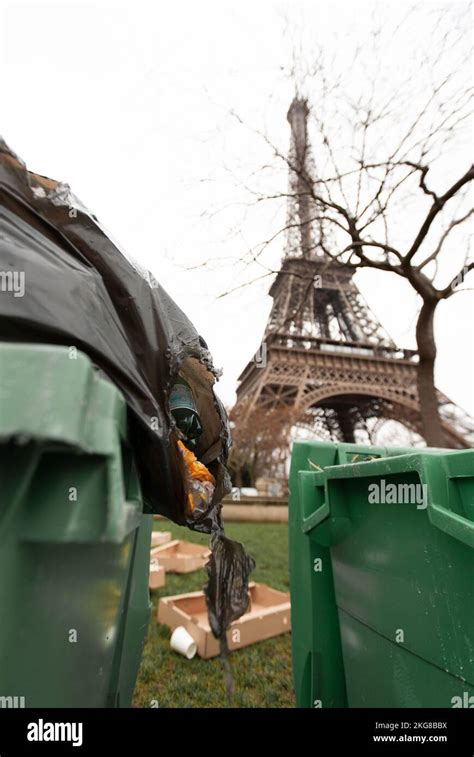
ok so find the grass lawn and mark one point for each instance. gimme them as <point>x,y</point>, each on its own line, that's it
<point>262,671</point>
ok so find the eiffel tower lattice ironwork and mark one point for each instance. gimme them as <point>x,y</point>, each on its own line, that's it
<point>325,359</point>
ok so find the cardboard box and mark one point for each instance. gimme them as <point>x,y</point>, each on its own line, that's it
<point>181,556</point>
<point>156,579</point>
<point>160,537</point>
<point>267,616</point>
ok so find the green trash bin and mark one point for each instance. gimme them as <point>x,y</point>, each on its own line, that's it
<point>382,576</point>
<point>74,543</point>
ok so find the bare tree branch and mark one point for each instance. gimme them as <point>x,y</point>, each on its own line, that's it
<point>437,206</point>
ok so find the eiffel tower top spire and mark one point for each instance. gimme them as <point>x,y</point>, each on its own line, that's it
<point>302,232</point>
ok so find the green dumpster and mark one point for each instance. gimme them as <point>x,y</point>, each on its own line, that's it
<point>74,544</point>
<point>382,576</point>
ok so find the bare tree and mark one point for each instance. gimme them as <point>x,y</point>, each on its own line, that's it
<point>260,443</point>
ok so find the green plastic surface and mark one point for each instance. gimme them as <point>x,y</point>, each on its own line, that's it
<point>74,544</point>
<point>382,593</point>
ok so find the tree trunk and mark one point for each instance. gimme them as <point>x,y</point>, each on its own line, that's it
<point>430,418</point>
<point>254,469</point>
<point>238,477</point>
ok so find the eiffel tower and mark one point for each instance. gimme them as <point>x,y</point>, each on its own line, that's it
<point>325,363</point>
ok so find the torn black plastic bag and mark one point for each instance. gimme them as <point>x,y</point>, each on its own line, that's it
<point>82,291</point>
<point>226,593</point>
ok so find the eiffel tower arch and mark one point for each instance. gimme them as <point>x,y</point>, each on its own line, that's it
<point>325,363</point>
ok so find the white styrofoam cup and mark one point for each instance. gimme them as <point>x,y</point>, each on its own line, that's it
<point>182,641</point>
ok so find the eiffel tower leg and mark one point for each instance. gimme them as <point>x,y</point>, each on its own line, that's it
<point>346,426</point>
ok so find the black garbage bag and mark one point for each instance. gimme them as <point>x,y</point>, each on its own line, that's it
<point>227,596</point>
<point>80,290</point>
<point>229,566</point>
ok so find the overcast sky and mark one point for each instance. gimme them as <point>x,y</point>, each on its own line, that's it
<point>129,104</point>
